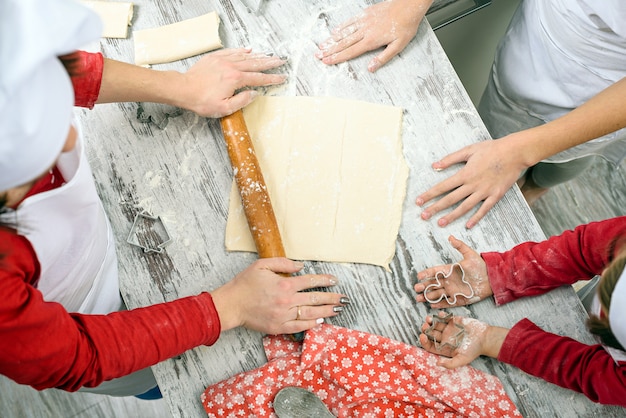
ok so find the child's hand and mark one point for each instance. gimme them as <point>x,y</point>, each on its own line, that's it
<point>460,287</point>
<point>462,340</point>
<point>389,23</point>
<point>491,169</point>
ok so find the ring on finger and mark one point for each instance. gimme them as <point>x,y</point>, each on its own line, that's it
<point>298,313</point>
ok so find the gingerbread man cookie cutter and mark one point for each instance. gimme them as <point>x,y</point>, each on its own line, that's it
<point>455,339</point>
<point>439,276</point>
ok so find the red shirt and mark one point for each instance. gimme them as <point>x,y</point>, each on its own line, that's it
<point>43,345</point>
<point>534,268</point>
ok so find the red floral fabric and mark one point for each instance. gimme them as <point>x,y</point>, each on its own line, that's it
<point>357,374</point>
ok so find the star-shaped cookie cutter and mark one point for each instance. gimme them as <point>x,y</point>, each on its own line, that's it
<point>438,285</point>
<point>149,233</point>
<point>456,339</point>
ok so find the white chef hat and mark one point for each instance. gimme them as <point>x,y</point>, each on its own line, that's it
<point>617,310</point>
<point>36,95</point>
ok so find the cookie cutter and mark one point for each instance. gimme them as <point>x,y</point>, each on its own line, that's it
<point>438,285</point>
<point>456,339</point>
<point>149,233</point>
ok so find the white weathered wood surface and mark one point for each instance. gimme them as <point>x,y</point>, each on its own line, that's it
<point>181,172</point>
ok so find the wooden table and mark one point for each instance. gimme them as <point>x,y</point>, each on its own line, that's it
<point>181,173</point>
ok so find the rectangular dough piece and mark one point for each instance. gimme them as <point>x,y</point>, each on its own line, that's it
<point>116,16</point>
<point>179,40</point>
<point>336,176</point>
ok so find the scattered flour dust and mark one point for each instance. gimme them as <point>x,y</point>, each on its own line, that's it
<point>457,380</point>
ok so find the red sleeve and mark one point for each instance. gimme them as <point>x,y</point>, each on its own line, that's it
<point>44,346</point>
<point>87,82</point>
<point>534,268</point>
<point>588,369</point>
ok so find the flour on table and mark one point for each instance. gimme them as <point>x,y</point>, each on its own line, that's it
<point>115,16</point>
<point>336,175</point>
<point>179,40</point>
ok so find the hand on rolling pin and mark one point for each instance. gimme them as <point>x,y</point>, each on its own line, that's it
<point>391,24</point>
<point>479,339</point>
<point>259,298</point>
<point>212,83</point>
<point>473,274</point>
<point>491,168</point>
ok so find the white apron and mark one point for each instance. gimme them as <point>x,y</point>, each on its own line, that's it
<point>555,56</point>
<point>71,235</point>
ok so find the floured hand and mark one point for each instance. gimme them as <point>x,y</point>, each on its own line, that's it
<point>214,84</point>
<point>491,168</point>
<point>478,339</point>
<point>391,24</point>
<point>473,274</point>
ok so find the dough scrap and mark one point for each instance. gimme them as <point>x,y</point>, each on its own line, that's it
<point>336,175</point>
<point>179,40</point>
<point>116,17</point>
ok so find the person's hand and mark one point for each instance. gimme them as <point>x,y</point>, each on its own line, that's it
<point>213,86</point>
<point>260,299</point>
<point>389,23</point>
<point>491,168</point>
<point>456,284</point>
<point>478,339</point>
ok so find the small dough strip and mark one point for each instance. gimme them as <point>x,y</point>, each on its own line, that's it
<point>116,17</point>
<point>179,40</point>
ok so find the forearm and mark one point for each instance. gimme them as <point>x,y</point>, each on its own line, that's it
<point>44,346</point>
<point>122,82</point>
<point>493,340</point>
<point>424,4</point>
<point>533,268</point>
<point>601,115</point>
<point>588,369</point>
<point>415,8</point>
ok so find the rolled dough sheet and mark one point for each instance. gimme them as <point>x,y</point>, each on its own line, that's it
<point>336,175</point>
<point>116,17</point>
<point>177,41</point>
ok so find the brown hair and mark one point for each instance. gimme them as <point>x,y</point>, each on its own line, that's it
<point>600,325</point>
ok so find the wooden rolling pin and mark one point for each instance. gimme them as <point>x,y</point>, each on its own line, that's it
<point>249,178</point>
<point>254,196</point>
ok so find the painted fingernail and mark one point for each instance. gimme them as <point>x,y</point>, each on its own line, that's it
<point>344,300</point>
<point>337,308</point>
<point>332,281</point>
<point>320,321</point>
